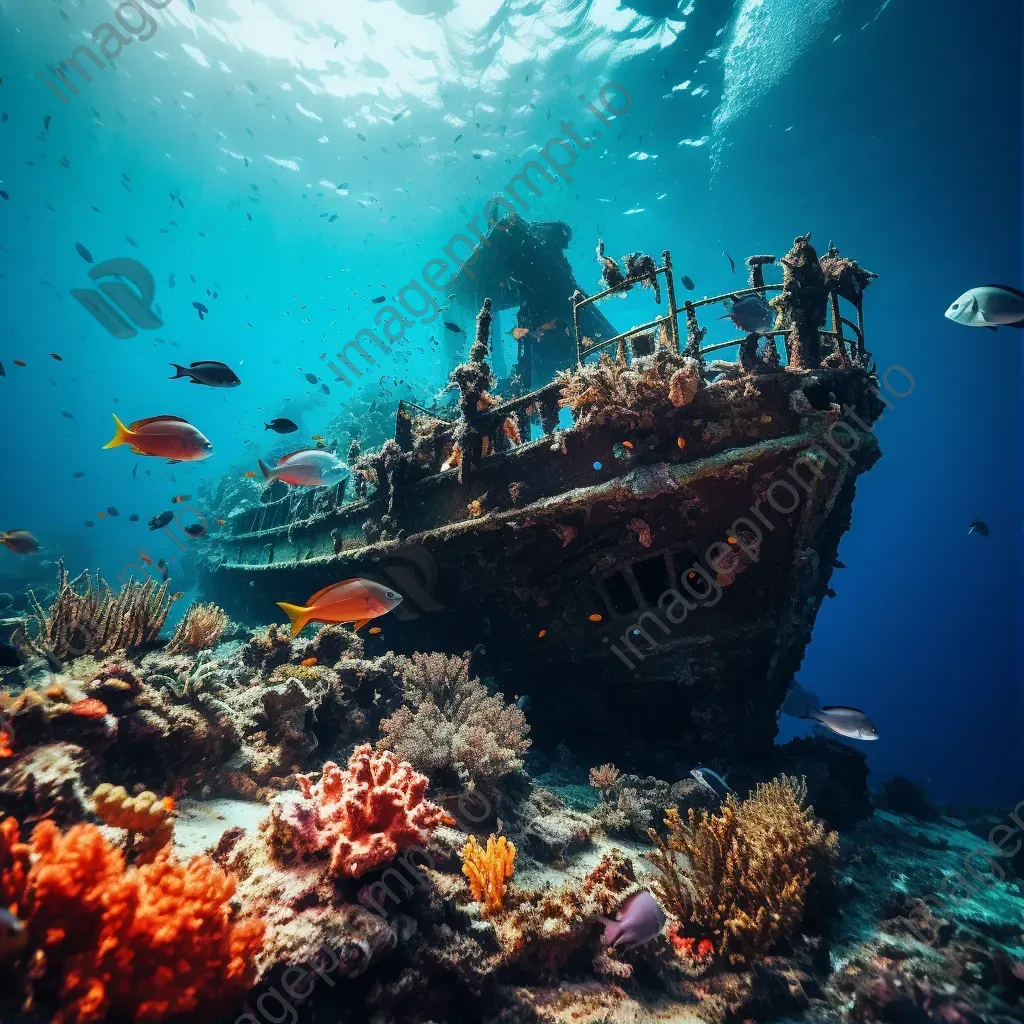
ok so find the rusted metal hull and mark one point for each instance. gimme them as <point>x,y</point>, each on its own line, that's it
<point>568,576</point>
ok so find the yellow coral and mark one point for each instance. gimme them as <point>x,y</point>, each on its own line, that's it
<point>146,814</point>
<point>202,627</point>
<point>475,508</point>
<point>750,867</point>
<point>489,870</point>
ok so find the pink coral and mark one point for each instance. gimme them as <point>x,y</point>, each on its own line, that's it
<point>365,815</point>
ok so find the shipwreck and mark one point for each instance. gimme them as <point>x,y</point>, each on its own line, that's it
<point>641,544</point>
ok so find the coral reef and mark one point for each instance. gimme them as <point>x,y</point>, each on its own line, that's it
<point>489,870</point>
<point>202,626</point>
<point>142,943</point>
<point>363,815</point>
<point>86,617</point>
<point>748,868</point>
<point>450,728</point>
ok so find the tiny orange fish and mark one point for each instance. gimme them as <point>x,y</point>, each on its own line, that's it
<point>249,474</point>
<point>519,333</point>
<point>543,633</point>
<point>221,522</point>
<point>178,596</point>
<point>549,326</point>
<point>179,498</point>
<point>730,540</point>
<point>19,362</point>
<point>681,442</point>
<point>318,437</point>
<point>168,802</point>
<point>627,444</point>
<point>101,515</point>
<point>375,630</point>
<point>145,559</point>
<point>308,662</point>
<point>596,617</point>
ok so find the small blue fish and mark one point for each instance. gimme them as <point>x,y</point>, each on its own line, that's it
<point>978,527</point>
<point>524,702</point>
<point>598,466</point>
<point>637,921</point>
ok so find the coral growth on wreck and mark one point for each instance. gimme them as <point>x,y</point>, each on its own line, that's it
<point>363,816</point>
<point>747,868</point>
<point>141,943</point>
<point>450,728</point>
<point>629,394</point>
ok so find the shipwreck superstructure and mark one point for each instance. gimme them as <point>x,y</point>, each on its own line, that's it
<point>649,570</point>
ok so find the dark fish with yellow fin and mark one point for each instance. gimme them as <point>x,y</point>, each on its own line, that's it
<point>355,600</point>
<point>165,437</point>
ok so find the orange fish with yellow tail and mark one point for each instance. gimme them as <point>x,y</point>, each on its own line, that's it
<point>355,600</point>
<point>166,437</point>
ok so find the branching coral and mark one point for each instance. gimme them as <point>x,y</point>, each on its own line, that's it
<point>613,391</point>
<point>604,778</point>
<point>363,815</point>
<point>451,729</point>
<point>87,618</point>
<point>145,818</point>
<point>750,867</point>
<point>202,627</point>
<point>489,870</point>
<point>141,944</point>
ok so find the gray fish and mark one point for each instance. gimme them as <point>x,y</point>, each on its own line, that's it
<point>84,253</point>
<point>637,921</point>
<point>312,378</point>
<point>210,372</point>
<point>843,721</point>
<point>991,306</point>
<point>751,314</point>
<point>687,282</point>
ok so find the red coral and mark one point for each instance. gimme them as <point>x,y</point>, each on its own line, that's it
<point>89,707</point>
<point>364,815</point>
<point>14,866</point>
<point>141,944</point>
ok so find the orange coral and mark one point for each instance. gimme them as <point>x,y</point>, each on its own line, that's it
<point>489,870</point>
<point>364,815</point>
<point>14,866</point>
<point>89,707</point>
<point>141,944</point>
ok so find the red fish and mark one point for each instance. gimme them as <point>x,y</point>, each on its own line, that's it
<point>21,542</point>
<point>166,437</point>
<point>354,600</point>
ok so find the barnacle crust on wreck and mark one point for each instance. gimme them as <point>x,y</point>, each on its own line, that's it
<point>561,553</point>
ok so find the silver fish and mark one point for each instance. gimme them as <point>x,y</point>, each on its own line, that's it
<point>991,306</point>
<point>751,314</point>
<point>849,722</point>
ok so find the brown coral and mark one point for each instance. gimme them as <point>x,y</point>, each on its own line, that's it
<point>86,617</point>
<point>202,627</point>
<point>750,867</point>
<point>489,870</point>
<point>451,729</point>
<point>604,778</point>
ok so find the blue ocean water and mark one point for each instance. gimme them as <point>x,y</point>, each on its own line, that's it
<point>299,159</point>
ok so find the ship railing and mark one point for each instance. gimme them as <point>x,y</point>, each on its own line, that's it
<point>848,346</point>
